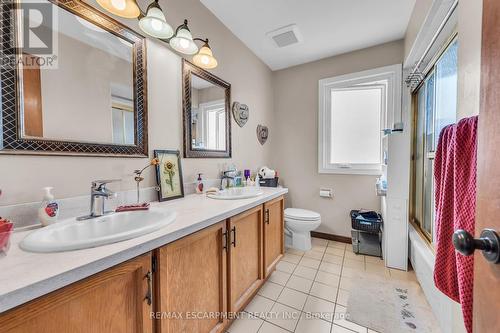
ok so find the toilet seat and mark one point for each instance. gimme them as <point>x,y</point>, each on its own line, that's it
<point>301,215</point>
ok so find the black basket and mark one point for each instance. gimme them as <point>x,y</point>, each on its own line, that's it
<point>368,221</point>
<point>271,182</point>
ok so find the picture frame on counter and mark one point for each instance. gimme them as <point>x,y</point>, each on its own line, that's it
<point>169,175</point>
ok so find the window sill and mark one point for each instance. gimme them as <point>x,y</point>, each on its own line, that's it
<point>423,237</point>
<point>347,171</point>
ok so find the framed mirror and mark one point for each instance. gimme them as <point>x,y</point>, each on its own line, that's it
<point>207,119</point>
<point>79,90</point>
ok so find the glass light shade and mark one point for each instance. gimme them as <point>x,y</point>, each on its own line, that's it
<point>183,42</point>
<point>205,58</point>
<point>155,24</point>
<point>122,8</point>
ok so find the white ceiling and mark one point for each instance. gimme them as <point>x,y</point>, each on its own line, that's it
<point>328,27</point>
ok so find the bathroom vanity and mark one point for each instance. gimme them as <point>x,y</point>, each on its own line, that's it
<point>185,277</point>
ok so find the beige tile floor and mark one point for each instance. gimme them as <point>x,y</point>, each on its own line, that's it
<point>308,292</point>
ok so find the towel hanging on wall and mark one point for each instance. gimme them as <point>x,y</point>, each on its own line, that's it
<point>455,169</point>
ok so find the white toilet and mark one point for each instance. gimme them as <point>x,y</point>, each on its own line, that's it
<point>298,226</point>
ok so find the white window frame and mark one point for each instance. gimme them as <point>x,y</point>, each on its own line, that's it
<point>392,75</point>
<point>204,108</point>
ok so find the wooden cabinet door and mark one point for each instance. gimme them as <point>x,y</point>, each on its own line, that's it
<point>110,301</point>
<point>245,257</point>
<point>273,233</point>
<point>191,282</point>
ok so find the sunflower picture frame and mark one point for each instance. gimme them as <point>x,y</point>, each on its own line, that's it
<point>169,175</point>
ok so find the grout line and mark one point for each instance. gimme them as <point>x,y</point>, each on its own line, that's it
<point>337,296</point>
<point>308,294</point>
<point>281,292</point>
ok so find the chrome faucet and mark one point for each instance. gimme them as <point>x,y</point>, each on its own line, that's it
<point>98,194</point>
<point>225,176</point>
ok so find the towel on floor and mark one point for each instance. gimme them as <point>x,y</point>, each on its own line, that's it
<point>455,168</point>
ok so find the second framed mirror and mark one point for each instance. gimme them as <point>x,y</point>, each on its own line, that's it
<point>206,113</point>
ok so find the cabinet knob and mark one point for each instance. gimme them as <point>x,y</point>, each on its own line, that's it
<point>488,243</point>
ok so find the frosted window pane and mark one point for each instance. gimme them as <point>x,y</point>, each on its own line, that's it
<point>446,89</point>
<point>117,126</point>
<point>129,127</point>
<point>419,156</point>
<point>428,221</point>
<point>429,117</point>
<point>212,130</point>
<point>356,132</point>
<point>221,140</point>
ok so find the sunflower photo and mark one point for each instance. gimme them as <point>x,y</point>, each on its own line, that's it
<point>169,175</point>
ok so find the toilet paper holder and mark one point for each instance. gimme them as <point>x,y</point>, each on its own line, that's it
<point>326,192</point>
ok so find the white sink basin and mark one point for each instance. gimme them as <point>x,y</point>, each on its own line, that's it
<point>235,193</point>
<point>71,234</point>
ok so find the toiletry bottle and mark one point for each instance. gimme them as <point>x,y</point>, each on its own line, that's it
<point>49,209</point>
<point>257,180</point>
<point>246,174</point>
<point>199,184</point>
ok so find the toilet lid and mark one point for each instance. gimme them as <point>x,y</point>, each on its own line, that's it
<point>301,214</point>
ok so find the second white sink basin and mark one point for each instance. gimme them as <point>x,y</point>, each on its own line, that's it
<point>235,193</point>
<point>71,234</point>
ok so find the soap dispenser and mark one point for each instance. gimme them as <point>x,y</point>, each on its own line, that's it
<point>49,209</point>
<point>199,184</point>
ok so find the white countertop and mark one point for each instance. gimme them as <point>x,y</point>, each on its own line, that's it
<point>25,276</point>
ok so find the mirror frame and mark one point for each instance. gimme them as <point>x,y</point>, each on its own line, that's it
<point>12,141</point>
<point>189,69</point>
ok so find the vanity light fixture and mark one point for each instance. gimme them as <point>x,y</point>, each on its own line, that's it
<point>205,58</point>
<point>183,41</point>
<point>122,8</point>
<point>154,23</point>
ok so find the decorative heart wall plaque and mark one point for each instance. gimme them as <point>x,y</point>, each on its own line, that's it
<point>240,113</point>
<point>262,133</point>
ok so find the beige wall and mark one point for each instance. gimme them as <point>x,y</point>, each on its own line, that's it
<point>295,137</point>
<point>469,57</point>
<point>210,94</point>
<point>21,177</point>
<point>85,74</point>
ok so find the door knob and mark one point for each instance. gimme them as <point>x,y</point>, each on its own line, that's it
<point>489,243</point>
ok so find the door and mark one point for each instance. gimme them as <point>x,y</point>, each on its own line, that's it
<point>115,300</point>
<point>191,282</point>
<point>273,233</point>
<point>486,274</point>
<point>245,257</point>
<point>32,97</point>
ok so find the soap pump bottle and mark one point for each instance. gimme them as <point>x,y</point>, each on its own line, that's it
<point>49,209</point>
<point>199,184</point>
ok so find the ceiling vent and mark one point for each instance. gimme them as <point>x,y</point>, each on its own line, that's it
<point>286,36</point>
